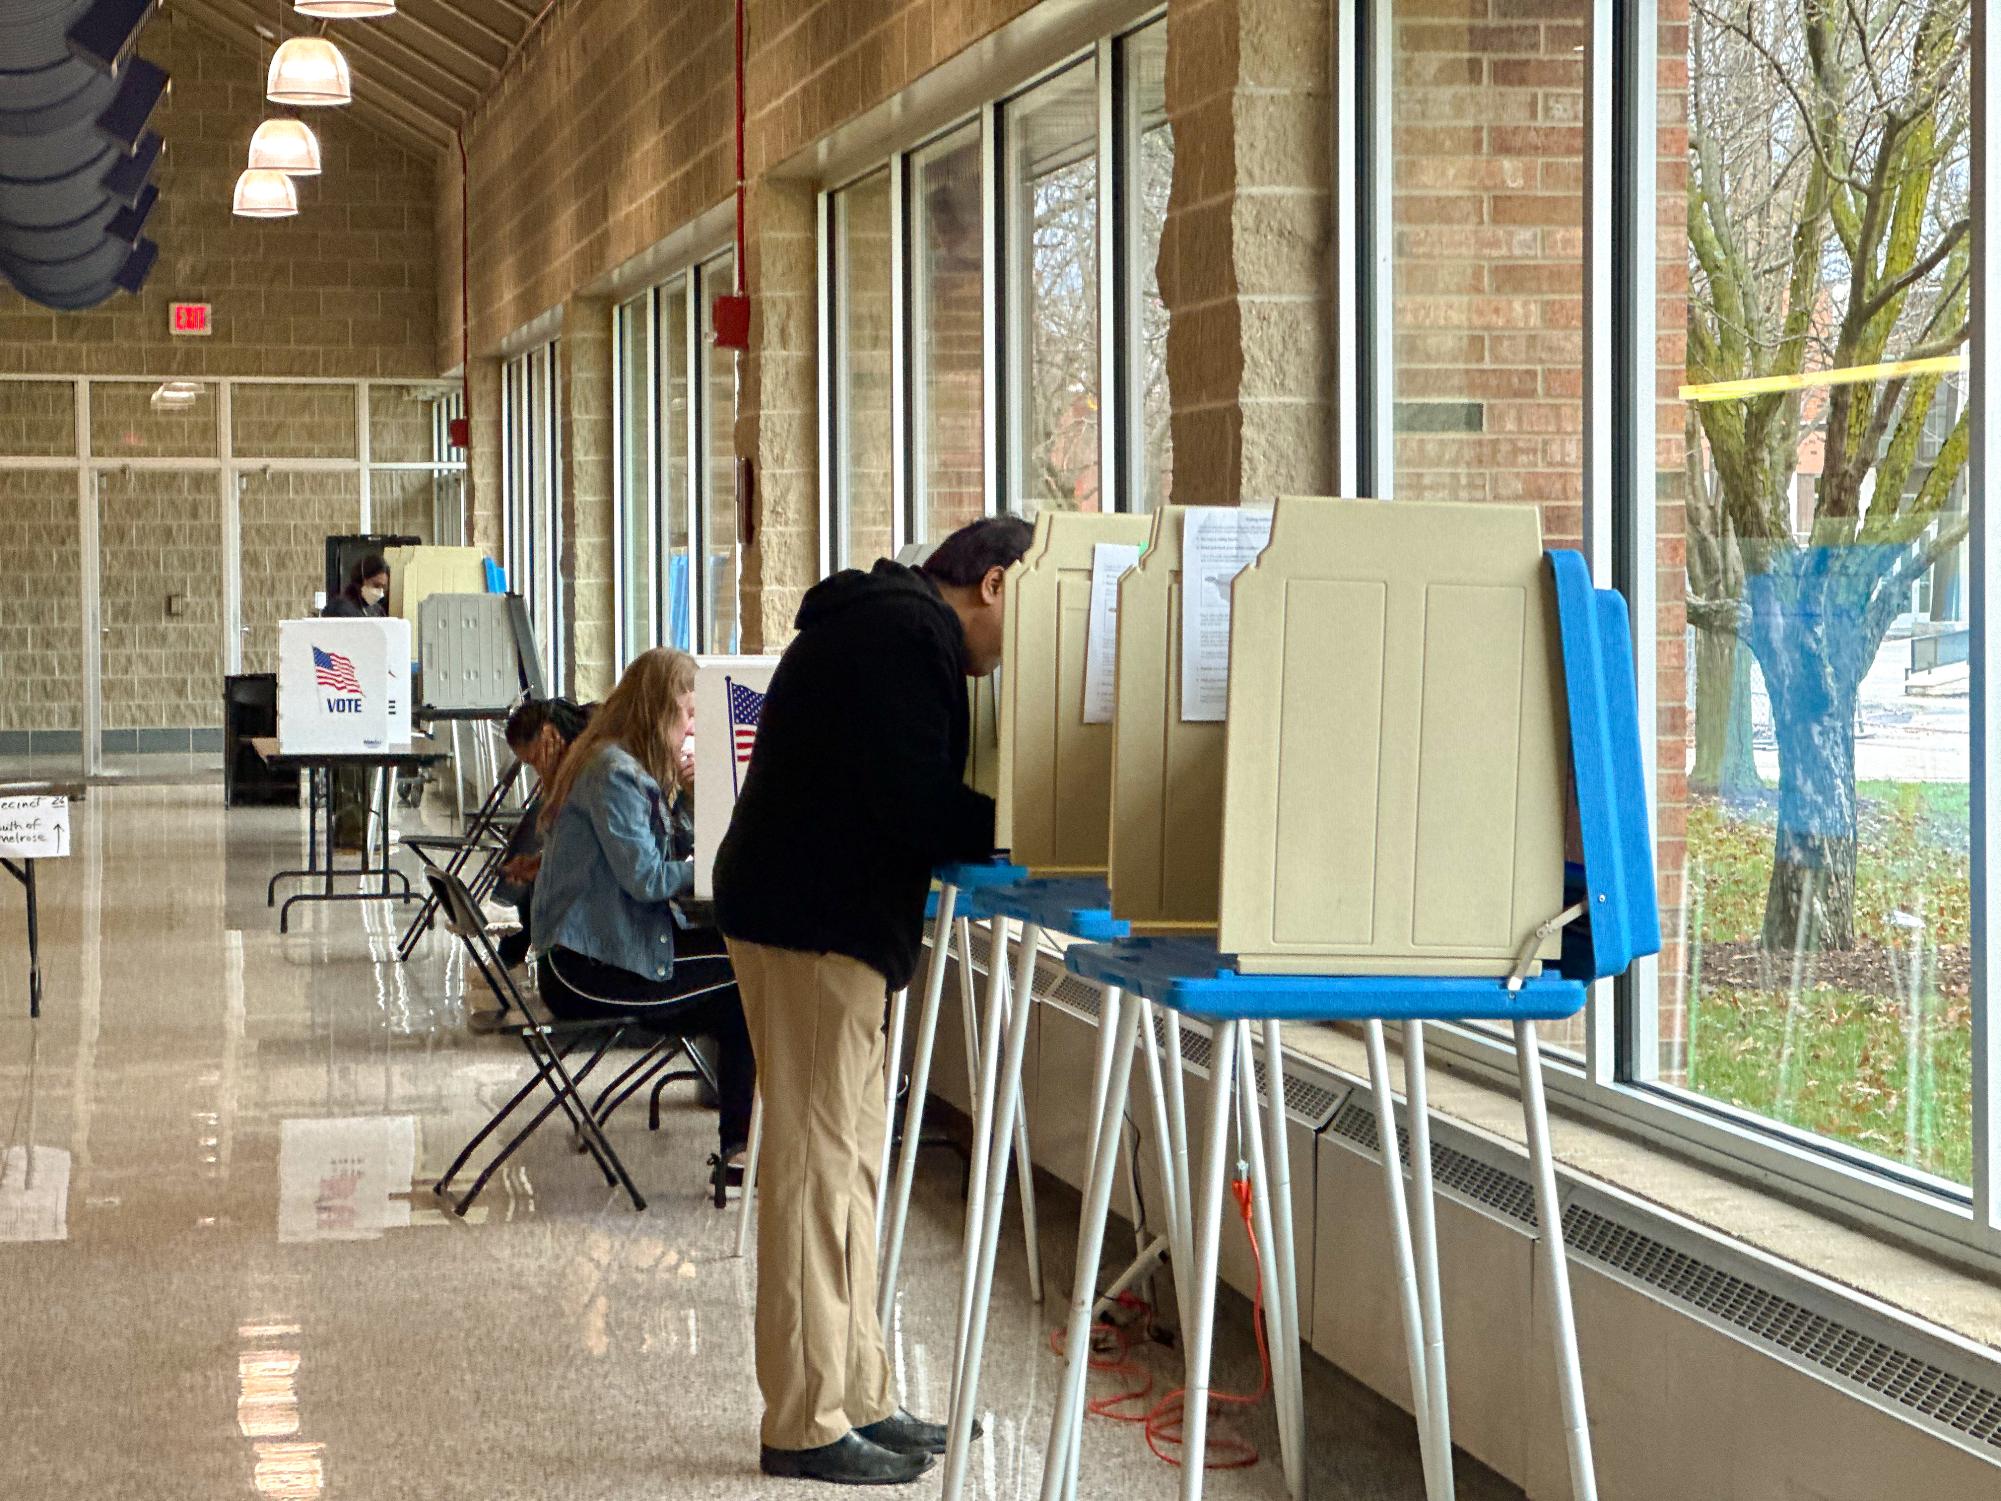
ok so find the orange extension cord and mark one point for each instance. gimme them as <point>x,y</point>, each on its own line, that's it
<point>1162,1422</point>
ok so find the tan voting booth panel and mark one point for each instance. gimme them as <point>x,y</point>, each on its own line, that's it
<point>416,573</point>
<point>1394,774</point>
<point>1167,773</point>
<point>983,747</point>
<point>1054,811</point>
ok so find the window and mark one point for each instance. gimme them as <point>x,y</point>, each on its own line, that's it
<point>674,420</point>
<point>948,334</point>
<point>720,612</point>
<point>1821,696</point>
<point>531,497</point>
<point>1051,136</point>
<point>863,391</point>
<point>1148,176</point>
<point>636,512</point>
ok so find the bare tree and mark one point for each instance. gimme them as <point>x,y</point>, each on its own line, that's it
<point>1829,232</point>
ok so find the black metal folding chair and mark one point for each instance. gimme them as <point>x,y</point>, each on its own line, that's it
<point>550,1045</point>
<point>473,857</point>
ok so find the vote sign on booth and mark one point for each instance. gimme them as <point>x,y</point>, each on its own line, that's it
<point>343,685</point>
<point>729,700</point>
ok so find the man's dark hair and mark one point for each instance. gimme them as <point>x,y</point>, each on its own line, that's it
<point>963,558</point>
<point>526,722</point>
<point>371,566</point>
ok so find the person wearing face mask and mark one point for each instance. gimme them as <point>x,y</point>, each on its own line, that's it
<point>366,594</point>
<point>365,597</point>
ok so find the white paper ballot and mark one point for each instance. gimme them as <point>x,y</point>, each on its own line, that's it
<point>34,828</point>
<point>1101,643</point>
<point>1217,543</point>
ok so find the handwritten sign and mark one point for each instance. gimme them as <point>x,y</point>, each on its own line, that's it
<point>34,828</point>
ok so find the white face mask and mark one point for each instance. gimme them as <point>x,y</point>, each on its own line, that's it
<point>370,595</point>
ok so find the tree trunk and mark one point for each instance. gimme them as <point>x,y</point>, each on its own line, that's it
<point>1723,762</point>
<point>1810,902</point>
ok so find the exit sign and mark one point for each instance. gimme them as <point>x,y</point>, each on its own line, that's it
<point>188,317</point>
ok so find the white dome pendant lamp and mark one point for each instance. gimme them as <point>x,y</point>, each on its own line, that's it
<point>308,70</point>
<point>285,145</point>
<point>345,10</point>
<point>262,194</point>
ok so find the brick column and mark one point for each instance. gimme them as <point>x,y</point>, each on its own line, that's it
<point>778,412</point>
<point>1244,252</point>
<point>588,539</point>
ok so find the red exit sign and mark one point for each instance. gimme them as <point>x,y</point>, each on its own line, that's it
<point>188,317</point>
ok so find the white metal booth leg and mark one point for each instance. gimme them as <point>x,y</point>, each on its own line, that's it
<point>1556,1268</point>
<point>1270,1166</point>
<point>1437,1415</point>
<point>1000,1098</point>
<point>913,1110</point>
<point>746,1206</point>
<point>1200,1334</point>
<point>892,1065</point>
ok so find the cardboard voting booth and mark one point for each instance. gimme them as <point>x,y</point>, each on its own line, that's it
<point>1055,753</point>
<point>729,699</point>
<point>343,685</point>
<point>416,573</point>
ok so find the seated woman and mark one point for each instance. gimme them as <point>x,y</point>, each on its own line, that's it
<point>540,733</point>
<point>611,942</point>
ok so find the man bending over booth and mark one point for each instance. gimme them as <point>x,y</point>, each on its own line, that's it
<point>855,792</point>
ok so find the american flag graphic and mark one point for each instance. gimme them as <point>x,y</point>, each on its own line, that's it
<point>335,671</point>
<point>745,705</point>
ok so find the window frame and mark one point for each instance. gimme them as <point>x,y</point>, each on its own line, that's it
<point>1611,1082</point>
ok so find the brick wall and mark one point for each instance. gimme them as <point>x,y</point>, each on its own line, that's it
<point>286,518</point>
<point>346,288</point>
<point>160,599</point>
<point>41,642</point>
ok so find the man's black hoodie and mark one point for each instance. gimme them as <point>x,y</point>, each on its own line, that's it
<point>856,788</point>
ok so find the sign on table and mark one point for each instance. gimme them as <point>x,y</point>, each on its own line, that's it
<point>34,828</point>
<point>729,700</point>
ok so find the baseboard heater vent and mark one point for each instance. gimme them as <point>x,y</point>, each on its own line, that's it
<point>1920,1386</point>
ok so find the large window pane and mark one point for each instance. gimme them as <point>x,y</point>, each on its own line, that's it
<point>719,509</point>
<point>1487,210</point>
<point>948,333</point>
<point>1823,697</point>
<point>674,415</point>
<point>1151,144</point>
<point>862,293</point>
<point>1051,136</point>
<point>632,330</point>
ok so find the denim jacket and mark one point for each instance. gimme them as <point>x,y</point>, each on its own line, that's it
<point>608,870</point>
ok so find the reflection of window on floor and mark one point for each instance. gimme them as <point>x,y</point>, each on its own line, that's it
<point>1825,885</point>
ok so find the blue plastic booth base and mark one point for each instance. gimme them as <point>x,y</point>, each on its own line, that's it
<point>1191,976</point>
<point>1080,906</point>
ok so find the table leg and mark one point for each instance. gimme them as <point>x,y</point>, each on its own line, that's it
<point>998,1108</point>
<point>1201,1335</point>
<point>1070,1440</point>
<point>329,883</point>
<point>982,1154</point>
<point>913,1110</point>
<point>745,1208</point>
<point>1555,1267</point>
<point>34,949</point>
<point>1024,1158</point>
<point>1406,1264</point>
<point>313,818</point>
<point>892,1065</point>
<point>1285,1263</point>
<point>1417,1107</point>
<point>386,779</point>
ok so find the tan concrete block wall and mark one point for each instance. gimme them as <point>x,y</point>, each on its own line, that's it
<point>588,559</point>
<point>41,642</point>
<point>160,535</point>
<point>286,518</point>
<point>38,418</point>
<point>401,502</point>
<point>346,288</point>
<point>294,421</point>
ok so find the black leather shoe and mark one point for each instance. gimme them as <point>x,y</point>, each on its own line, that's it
<point>904,1434</point>
<point>849,1460</point>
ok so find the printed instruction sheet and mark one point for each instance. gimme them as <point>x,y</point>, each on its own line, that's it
<point>1217,543</point>
<point>1101,644</point>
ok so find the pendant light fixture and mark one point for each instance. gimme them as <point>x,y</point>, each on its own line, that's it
<point>263,194</point>
<point>345,10</point>
<point>308,70</point>
<point>285,145</point>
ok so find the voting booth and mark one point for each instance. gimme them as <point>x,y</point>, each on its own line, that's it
<point>729,699</point>
<point>416,573</point>
<point>343,685</point>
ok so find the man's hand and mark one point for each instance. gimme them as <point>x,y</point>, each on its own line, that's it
<point>522,869</point>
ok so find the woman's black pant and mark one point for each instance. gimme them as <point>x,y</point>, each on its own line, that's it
<point>699,999</point>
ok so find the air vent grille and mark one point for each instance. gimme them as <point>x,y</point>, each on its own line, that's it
<point>1914,1383</point>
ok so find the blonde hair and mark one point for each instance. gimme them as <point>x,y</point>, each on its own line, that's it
<point>638,716</point>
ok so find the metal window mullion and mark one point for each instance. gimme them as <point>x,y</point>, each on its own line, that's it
<point>1985,587</point>
<point>362,449</point>
<point>696,506</point>
<point>656,517</point>
<point>1375,468</point>
<point>1112,247</point>
<point>995,418</point>
<point>902,491</point>
<point>90,716</point>
<point>1349,238</point>
<point>621,501</point>
<point>231,487</point>
<point>835,500</point>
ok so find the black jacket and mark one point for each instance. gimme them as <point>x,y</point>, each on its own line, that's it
<point>856,788</point>
<point>349,606</point>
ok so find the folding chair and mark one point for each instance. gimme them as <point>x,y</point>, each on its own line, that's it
<point>479,850</point>
<point>549,1043</point>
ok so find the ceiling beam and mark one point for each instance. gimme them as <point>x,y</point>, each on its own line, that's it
<point>451,94</point>
<point>501,32</point>
<point>450,36</point>
<point>403,122</point>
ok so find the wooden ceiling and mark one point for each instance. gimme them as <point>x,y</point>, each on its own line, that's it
<point>417,74</point>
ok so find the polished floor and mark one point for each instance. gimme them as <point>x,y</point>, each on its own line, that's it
<point>222,1272</point>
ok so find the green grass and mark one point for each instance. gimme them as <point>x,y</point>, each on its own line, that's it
<point>1847,1071</point>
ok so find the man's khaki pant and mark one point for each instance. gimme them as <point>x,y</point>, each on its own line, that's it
<point>816,1025</point>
